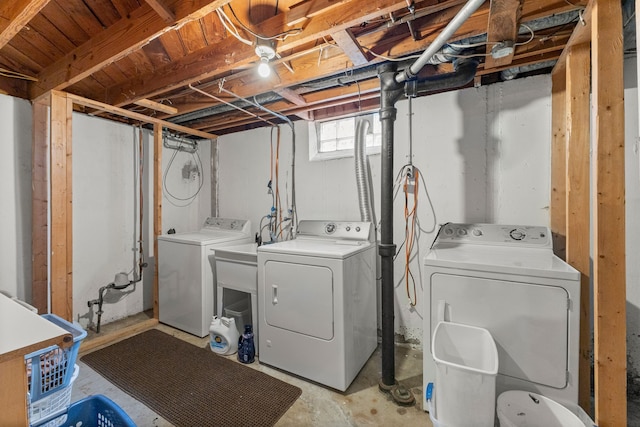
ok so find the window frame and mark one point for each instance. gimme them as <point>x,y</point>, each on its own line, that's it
<point>314,140</point>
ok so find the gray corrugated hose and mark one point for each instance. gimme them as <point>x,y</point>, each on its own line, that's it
<point>363,178</point>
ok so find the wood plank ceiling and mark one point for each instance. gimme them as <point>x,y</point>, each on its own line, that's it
<point>149,55</point>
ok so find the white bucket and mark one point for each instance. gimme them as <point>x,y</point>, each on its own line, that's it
<point>518,408</point>
<point>223,335</point>
<point>466,367</point>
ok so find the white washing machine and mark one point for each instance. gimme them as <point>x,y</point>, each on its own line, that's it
<point>317,301</point>
<point>506,279</point>
<point>186,272</point>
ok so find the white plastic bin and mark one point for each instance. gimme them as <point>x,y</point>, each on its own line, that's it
<point>517,408</point>
<point>466,367</point>
<point>241,312</point>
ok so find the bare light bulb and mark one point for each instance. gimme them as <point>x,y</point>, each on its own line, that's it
<point>264,70</point>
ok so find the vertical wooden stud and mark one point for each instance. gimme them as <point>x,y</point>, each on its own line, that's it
<point>40,201</point>
<point>609,281</point>
<point>157,208</point>
<point>558,162</point>
<point>578,85</point>
<point>60,207</point>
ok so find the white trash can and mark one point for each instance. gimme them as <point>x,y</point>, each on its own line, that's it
<point>466,367</point>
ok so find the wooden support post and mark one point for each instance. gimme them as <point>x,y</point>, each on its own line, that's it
<point>40,202</point>
<point>558,205</point>
<point>60,207</point>
<point>578,85</point>
<point>157,209</point>
<point>609,281</point>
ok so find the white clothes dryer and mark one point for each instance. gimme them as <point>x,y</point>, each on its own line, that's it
<point>317,301</point>
<point>186,272</point>
<point>507,280</point>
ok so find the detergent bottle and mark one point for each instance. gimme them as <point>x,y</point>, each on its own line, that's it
<point>223,335</point>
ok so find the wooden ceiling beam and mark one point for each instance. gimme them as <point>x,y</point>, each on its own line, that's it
<point>147,103</point>
<point>15,15</point>
<point>504,18</point>
<point>165,13</point>
<point>350,46</point>
<point>116,42</point>
<point>309,8</point>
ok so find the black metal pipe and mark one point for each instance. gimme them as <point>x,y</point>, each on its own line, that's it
<point>464,72</point>
<point>390,92</point>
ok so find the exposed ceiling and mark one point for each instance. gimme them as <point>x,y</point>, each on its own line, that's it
<point>157,57</point>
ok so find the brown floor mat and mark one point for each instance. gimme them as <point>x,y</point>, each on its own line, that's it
<point>191,386</point>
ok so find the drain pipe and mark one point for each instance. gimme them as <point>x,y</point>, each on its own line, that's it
<point>390,92</point>
<point>392,88</point>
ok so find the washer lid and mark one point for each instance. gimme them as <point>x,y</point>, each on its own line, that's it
<point>501,259</point>
<point>325,248</point>
<point>204,237</point>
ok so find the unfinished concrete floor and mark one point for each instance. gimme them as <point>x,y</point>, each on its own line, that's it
<point>361,405</point>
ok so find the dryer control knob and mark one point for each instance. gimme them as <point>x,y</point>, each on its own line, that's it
<point>348,228</point>
<point>477,232</point>
<point>448,231</point>
<point>357,228</point>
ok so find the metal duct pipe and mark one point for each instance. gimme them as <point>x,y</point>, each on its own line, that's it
<point>512,73</point>
<point>363,180</point>
<point>467,10</point>
<point>265,98</point>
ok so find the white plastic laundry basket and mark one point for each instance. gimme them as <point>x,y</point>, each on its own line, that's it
<point>466,367</point>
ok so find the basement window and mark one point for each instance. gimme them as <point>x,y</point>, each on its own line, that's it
<point>334,139</point>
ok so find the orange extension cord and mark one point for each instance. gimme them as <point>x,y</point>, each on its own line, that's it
<point>410,232</point>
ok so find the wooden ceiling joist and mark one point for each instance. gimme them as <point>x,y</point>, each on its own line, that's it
<point>165,13</point>
<point>350,46</point>
<point>310,8</point>
<point>147,103</point>
<point>137,116</point>
<point>502,32</point>
<point>15,15</point>
<point>116,42</point>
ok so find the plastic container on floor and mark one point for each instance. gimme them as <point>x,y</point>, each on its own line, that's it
<point>466,360</point>
<point>51,404</point>
<point>50,369</point>
<point>241,311</point>
<point>518,408</point>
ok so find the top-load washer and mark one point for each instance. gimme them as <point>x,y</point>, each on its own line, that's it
<point>317,301</point>
<point>507,280</point>
<point>186,272</point>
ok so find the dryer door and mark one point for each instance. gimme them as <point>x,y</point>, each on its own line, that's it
<point>529,322</point>
<point>299,298</point>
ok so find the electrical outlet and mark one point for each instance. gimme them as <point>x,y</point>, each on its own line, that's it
<point>409,171</point>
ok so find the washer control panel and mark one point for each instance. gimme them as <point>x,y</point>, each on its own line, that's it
<point>492,234</point>
<point>215,223</point>
<point>337,230</point>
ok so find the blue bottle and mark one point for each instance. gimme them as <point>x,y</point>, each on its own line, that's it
<point>246,346</point>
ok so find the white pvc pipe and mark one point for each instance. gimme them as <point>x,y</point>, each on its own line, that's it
<point>464,14</point>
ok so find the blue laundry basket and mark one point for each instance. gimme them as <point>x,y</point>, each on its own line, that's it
<point>94,411</point>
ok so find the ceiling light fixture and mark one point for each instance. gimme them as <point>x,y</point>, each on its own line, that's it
<point>266,51</point>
